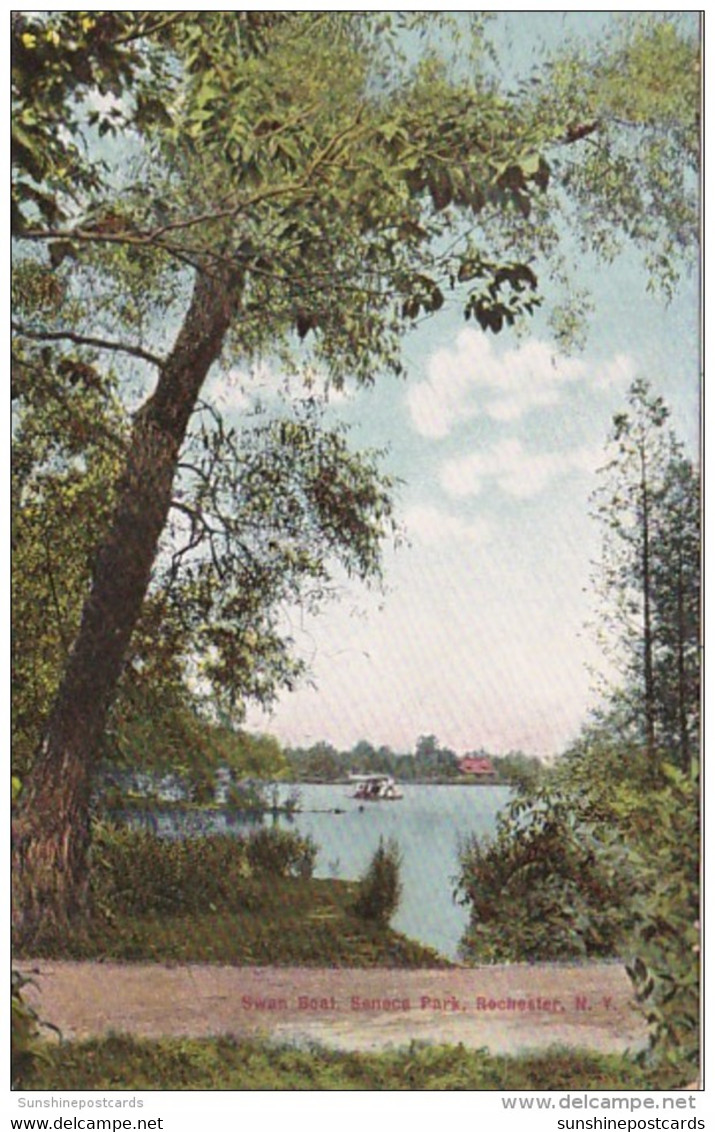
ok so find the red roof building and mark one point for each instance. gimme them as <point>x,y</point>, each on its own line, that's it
<point>476,764</point>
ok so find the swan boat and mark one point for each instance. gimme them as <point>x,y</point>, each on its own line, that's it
<point>375,788</point>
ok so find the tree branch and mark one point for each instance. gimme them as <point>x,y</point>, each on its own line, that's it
<point>200,528</point>
<point>87,340</point>
<point>575,131</point>
<point>144,32</point>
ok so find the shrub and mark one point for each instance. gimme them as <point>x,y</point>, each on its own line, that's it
<point>541,889</point>
<point>26,1046</point>
<point>202,786</point>
<point>593,868</point>
<point>111,797</point>
<point>137,873</point>
<point>249,797</point>
<point>664,945</point>
<point>280,852</point>
<point>380,889</point>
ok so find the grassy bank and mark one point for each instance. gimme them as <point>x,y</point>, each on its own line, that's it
<point>223,899</point>
<point>221,1063</point>
<point>283,921</point>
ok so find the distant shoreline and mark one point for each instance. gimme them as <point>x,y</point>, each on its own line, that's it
<point>136,804</point>
<point>466,780</point>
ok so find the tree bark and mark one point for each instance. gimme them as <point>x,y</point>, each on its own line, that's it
<point>51,833</point>
<point>683,729</point>
<point>648,676</point>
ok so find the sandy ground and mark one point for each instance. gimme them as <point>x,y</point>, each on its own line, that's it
<point>506,1009</point>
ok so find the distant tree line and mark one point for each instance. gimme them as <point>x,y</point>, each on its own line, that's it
<point>429,762</point>
<point>179,753</point>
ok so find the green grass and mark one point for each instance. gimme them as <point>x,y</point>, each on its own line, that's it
<point>284,921</point>
<point>221,1063</point>
<point>221,899</point>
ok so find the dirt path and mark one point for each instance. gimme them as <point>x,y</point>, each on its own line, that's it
<point>507,1009</point>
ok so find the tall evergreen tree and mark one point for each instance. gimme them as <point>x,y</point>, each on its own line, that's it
<point>676,598</point>
<point>648,574</point>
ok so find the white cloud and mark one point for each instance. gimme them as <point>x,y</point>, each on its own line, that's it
<point>239,389</point>
<point>515,470</point>
<point>228,391</point>
<point>529,377</point>
<point>472,378</point>
<point>444,398</point>
<point>616,374</point>
<point>432,527</point>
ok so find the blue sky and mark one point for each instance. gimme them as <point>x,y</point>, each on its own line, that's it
<point>480,637</point>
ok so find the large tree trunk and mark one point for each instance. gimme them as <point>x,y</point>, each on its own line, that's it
<point>51,831</point>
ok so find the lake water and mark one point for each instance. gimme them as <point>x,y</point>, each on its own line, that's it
<point>427,824</point>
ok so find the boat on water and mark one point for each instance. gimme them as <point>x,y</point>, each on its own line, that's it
<point>375,788</point>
